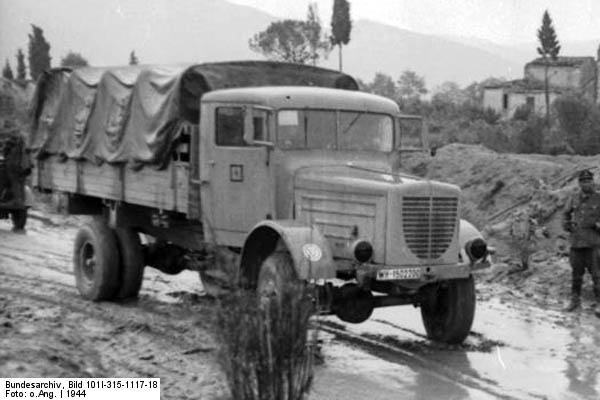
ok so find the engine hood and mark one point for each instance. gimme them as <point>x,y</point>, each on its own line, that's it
<point>351,202</point>
<point>350,178</point>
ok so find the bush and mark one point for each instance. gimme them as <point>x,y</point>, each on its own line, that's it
<point>493,137</point>
<point>580,121</point>
<point>531,138</point>
<point>556,142</point>
<point>477,113</point>
<point>266,351</point>
<point>522,113</point>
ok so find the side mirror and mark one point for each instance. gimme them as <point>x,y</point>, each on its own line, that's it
<point>433,151</point>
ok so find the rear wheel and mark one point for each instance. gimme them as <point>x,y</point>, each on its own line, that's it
<point>19,219</point>
<point>448,310</point>
<point>96,261</point>
<point>132,263</point>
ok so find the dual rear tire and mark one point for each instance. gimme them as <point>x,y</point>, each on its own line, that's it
<point>108,264</point>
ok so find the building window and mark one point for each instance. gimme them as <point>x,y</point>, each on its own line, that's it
<point>505,101</point>
<point>531,102</point>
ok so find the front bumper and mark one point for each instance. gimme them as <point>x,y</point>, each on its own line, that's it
<point>421,274</point>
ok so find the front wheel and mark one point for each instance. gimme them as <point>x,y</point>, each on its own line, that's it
<point>275,276</point>
<point>448,310</point>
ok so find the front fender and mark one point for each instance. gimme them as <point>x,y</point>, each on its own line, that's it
<point>308,247</point>
<point>467,233</point>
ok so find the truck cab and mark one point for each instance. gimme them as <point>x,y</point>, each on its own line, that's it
<point>283,164</point>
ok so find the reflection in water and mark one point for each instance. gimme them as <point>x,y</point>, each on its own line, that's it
<point>428,386</point>
<point>582,364</point>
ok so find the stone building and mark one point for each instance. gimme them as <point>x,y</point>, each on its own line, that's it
<point>565,75</point>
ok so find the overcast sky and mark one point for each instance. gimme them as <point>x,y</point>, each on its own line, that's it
<point>501,21</point>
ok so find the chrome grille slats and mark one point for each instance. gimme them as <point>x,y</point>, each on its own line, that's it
<point>429,224</point>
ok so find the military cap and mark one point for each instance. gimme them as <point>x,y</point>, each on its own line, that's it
<point>586,175</point>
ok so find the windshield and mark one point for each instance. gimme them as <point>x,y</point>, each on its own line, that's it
<point>330,129</point>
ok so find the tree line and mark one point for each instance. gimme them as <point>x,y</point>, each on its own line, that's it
<point>39,59</point>
<point>305,42</point>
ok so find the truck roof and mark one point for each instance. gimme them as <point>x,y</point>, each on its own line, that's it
<point>281,97</point>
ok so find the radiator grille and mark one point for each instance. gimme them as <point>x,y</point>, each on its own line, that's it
<point>429,224</point>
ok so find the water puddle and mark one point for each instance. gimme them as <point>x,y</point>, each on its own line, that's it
<point>512,352</point>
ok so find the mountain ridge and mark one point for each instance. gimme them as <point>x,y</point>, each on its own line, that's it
<point>169,32</point>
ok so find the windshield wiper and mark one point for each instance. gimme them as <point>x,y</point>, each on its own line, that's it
<point>358,115</point>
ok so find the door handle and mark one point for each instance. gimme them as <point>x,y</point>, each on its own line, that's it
<point>211,162</point>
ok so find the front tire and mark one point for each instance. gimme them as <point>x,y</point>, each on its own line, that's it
<point>276,272</point>
<point>96,261</point>
<point>448,310</point>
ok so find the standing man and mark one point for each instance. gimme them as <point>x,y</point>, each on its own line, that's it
<point>582,220</point>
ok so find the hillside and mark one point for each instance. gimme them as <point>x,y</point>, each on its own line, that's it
<point>498,189</point>
<point>376,47</point>
<point>210,30</point>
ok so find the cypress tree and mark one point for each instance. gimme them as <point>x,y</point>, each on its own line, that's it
<point>549,49</point>
<point>39,52</point>
<point>7,71</point>
<point>21,69</point>
<point>340,25</point>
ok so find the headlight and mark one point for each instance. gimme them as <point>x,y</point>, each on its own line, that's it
<point>362,251</point>
<point>476,249</point>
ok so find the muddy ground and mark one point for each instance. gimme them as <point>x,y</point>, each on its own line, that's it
<point>46,329</point>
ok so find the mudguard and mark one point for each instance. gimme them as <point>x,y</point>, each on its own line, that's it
<point>308,247</point>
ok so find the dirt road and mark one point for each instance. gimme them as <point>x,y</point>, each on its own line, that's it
<point>521,346</point>
<point>46,329</point>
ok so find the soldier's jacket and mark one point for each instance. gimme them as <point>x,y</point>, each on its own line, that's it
<point>582,212</point>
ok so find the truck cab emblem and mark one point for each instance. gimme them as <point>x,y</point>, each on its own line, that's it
<point>312,252</point>
<point>236,173</point>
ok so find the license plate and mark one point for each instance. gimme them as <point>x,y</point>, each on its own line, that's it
<point>398,274</point>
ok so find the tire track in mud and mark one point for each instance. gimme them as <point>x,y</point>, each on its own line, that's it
<point>145,337</point>
<point>408,354</point>
<point>132,341</point>
<point>127,312</point>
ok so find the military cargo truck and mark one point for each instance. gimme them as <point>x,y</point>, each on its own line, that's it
<point>287,172</point>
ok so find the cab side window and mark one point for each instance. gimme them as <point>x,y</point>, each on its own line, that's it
<point>230,126</point>
<point>260,123</point>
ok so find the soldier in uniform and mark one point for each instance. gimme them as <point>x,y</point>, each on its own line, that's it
<point>582,220</point>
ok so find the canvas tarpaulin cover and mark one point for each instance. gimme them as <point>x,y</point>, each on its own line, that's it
<point>134,114</point>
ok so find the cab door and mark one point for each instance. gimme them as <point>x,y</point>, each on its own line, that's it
<point>236,178</point>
